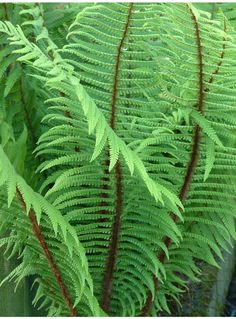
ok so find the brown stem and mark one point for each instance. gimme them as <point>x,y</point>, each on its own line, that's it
<point>192,164</point>
<point>221,57</point>
<point>117,65</point>
<point>193,159</point>
<point>212,78</point>
<point>38,234</point>
<point>113,249</point>
<point>111,261</point>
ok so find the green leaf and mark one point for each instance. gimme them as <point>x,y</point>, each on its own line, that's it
<point>210,157</point>
<point>205,125</point>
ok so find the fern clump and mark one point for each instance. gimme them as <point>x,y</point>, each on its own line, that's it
<point>124,114</point>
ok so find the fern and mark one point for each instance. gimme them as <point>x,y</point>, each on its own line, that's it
<point>129,159</point>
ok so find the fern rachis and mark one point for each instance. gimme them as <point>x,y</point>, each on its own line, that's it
<point>38,234</point>
<point>112,255</point>
<point>193,157</point>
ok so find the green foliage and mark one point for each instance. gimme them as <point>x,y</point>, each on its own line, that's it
<point>117,152</point>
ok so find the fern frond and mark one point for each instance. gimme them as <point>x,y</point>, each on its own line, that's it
<point>134,152</point>
<point>37,208</point>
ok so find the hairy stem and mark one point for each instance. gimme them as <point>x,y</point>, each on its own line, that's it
<point>211,80</point>
<point>221,57</point>
<point>38,234</point>
<point>117,65</point>
<point>111,260</point>
<point>192,162</point>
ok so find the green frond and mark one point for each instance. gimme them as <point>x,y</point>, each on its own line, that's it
<point>64,236</point>
<point>124,115</point>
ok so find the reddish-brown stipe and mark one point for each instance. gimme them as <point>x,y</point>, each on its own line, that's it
<point>38,234</point>
<point>113,248</point>
<point>193,158</point>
